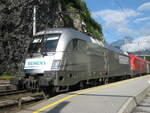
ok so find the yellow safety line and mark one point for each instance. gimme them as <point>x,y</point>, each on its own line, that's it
<point>85,91</point>
<point>52,104</point>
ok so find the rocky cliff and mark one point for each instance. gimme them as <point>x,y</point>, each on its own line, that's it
<point>16,25</point>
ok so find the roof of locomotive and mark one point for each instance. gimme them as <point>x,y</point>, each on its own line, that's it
<point>66,31</point>
<point>114,49</point>
<point>69,34</point>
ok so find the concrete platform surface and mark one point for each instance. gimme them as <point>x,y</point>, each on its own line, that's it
<point>120,97</point>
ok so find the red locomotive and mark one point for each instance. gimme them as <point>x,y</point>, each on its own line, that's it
<point>137,65</point>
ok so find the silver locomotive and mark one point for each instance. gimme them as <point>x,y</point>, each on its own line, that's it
<point>61,58</point>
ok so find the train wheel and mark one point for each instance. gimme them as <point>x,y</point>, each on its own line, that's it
<point>20,85</point>
<point>96,82</point>
<point>37,86</point>
<point>49,91</point>
<point>74,87</point>
<point>24,85</point>
<point>101,82</point>
<point>106,80</point>
<point>52,91</point>
<point>81,85</point>
<point>27,84</point>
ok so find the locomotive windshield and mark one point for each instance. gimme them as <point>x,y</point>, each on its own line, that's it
<point>44,43</point>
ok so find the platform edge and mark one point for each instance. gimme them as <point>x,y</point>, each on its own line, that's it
<point>132,102</point>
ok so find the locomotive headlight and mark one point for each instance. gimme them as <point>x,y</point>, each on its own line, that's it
<point>56,64</point>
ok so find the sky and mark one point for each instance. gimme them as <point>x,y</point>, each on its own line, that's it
<point>122,18</point>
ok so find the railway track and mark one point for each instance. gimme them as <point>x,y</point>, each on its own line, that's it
<point>11,92</point>
<point>3,82</point>
<point>18,98</point>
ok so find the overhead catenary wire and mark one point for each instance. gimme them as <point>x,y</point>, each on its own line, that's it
<point>123,11</point>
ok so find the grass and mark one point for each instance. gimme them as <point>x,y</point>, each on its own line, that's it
<point>6,77</point>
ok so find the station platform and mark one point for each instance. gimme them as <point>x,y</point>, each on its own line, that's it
<point>119,97</point>
<point>143,106</point>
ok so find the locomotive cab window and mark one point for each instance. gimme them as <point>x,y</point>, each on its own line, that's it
<point>50,45</point>
<point>44,43</point>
